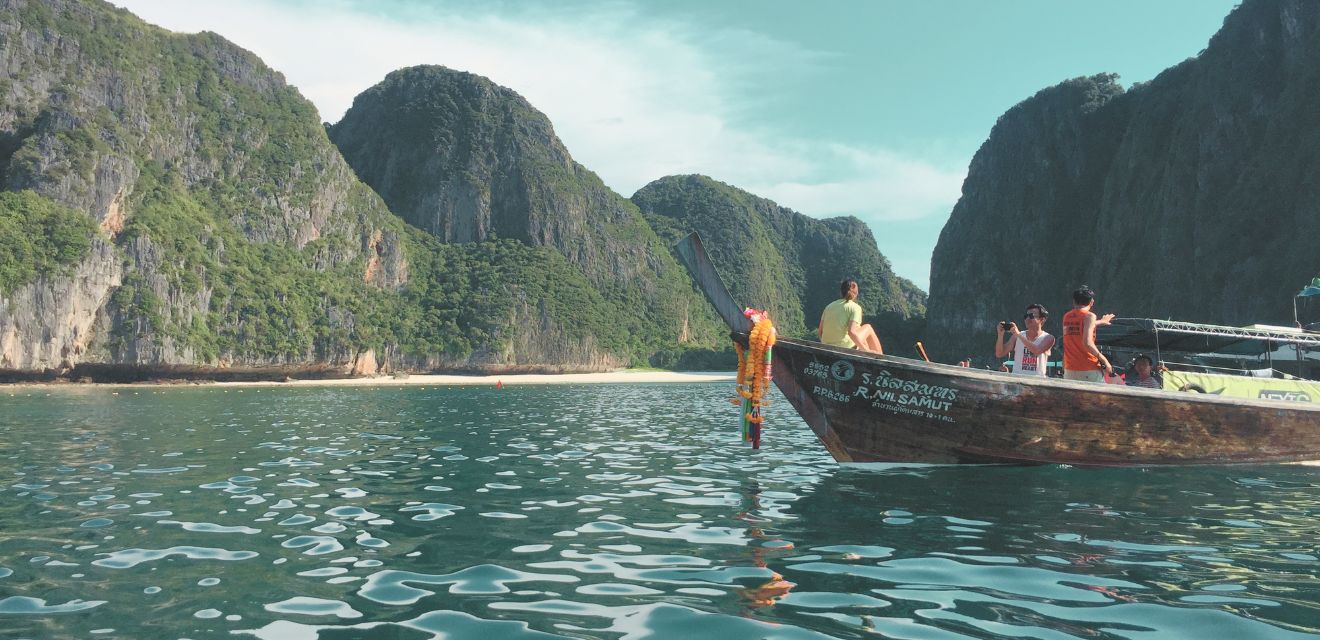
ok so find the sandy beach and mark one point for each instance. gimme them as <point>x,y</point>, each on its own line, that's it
<point>613,377</point>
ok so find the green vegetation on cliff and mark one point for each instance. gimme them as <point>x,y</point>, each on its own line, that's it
<point>468,160</point>
<point>233,233</point>
<point>267,300</point>
<point>244,238</point>
<point>786,262</point>
<point>38,237</point>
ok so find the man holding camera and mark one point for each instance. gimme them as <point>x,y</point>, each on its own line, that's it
<point>1081,359</point>
<point>1030,349</point>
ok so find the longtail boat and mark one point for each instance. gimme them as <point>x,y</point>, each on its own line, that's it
<point>869,408</point>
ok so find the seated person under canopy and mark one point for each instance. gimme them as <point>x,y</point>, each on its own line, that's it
<point>841,323</point>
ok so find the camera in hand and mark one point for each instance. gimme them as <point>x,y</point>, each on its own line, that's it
<point>1005,324</point>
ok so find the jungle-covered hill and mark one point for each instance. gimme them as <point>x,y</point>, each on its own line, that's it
<point>169,205</point>
<point>469,161</point>
<point>170,202</point>
<point>789,263</point>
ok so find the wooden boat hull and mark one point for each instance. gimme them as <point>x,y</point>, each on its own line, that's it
<point>887,409</point>
<point>867,408</point>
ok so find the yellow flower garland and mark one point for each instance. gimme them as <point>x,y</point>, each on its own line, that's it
<point>742,373</point>
<point>753,368</point>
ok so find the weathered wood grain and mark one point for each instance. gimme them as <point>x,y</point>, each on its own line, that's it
<point>943,414</point>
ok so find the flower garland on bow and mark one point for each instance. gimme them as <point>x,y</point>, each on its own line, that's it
<point>754,369</point>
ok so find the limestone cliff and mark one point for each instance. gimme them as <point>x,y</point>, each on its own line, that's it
<point>1193,196</point>
<point>468,160</point>
<point>180,147</point>
<point>225,231</point>
<point>785,261</point>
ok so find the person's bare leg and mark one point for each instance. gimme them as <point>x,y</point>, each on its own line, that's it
<point>870,341</point>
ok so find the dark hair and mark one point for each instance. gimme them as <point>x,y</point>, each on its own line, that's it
<point>1142,356</point>
<point>847,284</point>
<point>1083,296</point>
<point>1040,310</point>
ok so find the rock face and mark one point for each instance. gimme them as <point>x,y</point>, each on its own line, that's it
<point>786,262</point>
<point>1193,196</point>
<point>229,233</point>
<point>62,310</point>
<point>468,160</point>
<point>462,158</point>
<point>186,150</point>
<point>222,231</point>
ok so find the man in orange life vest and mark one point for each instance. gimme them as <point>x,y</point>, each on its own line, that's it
<point>1081,359</point>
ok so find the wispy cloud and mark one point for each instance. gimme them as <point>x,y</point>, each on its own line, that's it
<point>632,99</point>
<point>874,184</point>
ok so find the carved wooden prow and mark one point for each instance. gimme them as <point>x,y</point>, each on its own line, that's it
<point>693,256</point>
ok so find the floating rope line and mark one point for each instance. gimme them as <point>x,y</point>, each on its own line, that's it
<point>754,370</point>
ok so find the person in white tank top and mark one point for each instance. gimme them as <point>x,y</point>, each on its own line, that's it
<point>1030,348</point>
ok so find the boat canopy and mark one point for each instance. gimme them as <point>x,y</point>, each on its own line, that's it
<point>1148,334</point>
<point>1252,387</point>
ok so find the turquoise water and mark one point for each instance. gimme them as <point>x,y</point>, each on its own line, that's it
<point>602,512</point>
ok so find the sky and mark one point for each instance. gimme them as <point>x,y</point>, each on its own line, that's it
<point>869,108</point>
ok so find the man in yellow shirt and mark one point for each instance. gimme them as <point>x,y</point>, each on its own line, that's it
<point>841,323</point>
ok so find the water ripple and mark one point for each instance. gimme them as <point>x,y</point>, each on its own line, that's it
<point>207,527</point>
<point>393,586</point>
<point>24,605</point>
<point>604,511</point>
<point>129,558</point>
<point>306,606</point>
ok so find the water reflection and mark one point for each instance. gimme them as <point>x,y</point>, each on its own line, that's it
<point>596,511</point>
<point>1028,550</point>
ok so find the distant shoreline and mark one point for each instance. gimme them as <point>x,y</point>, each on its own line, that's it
<point>613,377</point>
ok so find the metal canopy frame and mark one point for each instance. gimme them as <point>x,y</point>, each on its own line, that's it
<point>1192,338</point>
<point>1245,333</point>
